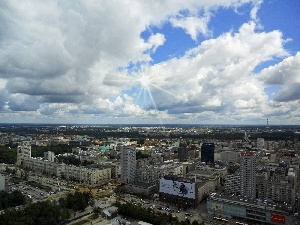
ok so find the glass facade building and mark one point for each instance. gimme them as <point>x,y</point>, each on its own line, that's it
<point>207,152</point>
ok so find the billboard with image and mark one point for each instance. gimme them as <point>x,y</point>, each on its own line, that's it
<point>177,188</point>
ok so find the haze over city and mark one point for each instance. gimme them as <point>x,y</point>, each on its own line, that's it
<point>160,62</point>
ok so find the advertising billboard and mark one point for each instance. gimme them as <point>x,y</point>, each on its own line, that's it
<point>177,188</point>
<point>278,218</point>
<point>217,206</point>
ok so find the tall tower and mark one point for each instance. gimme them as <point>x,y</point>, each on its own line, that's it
<point>128,164</point>
<point>23,151</point>
<point>182,152</point>
<point>208,152</point>
<point>248,174</point>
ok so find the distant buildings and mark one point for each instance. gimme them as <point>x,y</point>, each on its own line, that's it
<point>49,165</point>
<point>207,152</point>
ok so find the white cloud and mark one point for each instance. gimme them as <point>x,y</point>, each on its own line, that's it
<point>76,59</point>
<point>192,25</point>
<point>286,74</point>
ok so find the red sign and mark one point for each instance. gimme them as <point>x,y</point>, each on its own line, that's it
<point>278,218</point>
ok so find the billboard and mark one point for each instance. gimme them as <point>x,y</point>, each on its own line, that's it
<point>217,206</point>
<point>278,218</point>
<point>178,188</point>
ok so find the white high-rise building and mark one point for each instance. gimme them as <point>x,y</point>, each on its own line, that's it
<point>23,151</point>
<point>248,174</point>
<point>260,143</point>
<point>2,182</point>
<point>128,164</point>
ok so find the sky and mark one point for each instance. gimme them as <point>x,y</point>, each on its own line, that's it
<point>150,62</point>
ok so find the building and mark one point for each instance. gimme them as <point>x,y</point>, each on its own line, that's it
<point>260,143</point>
<point>183,154</point>
<point>277,181</point>
<point>49,166</point>
<point>248,174</point>
<point>2,182</point>
<point>23,152</point>
<point>229,157</point>
<point>232,183</point>
<point>207,152</point>
<point>179,191</point>
<point>128,164</point>
<point>250,210</point>
<point>152,173</point>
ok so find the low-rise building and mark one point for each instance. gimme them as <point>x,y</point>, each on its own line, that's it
<point>250,210</point>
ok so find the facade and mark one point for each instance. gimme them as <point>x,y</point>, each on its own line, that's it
<point>232,183</point>
<point>260,143</point>
<point>248,174</point>
<point>23,151</point>
<point>207,152</point>
<point>278,182</point>
<point>229,157</point>
<point>69,172</point>
<point>152,173</point>
<point>2,182</point>
<point>128,164</point>
<point>183,153</point>
<point>251,211</point>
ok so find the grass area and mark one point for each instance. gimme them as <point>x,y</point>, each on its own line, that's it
<point>15,180</point>
<point>81,222</point>
<point>93,217</point>
<point>35,184</point>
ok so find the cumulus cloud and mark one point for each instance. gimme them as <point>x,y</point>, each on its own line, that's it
<point>62,59</point>
<point>287,75</point>
<point>192,25</point>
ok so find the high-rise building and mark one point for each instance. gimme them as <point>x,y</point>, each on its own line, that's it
<point>207,152</point>
<point>23,151</point>
<point>128,164</point>
<point>2,182</point>
<point>248,174</point>
<point>260,143</point>
<point>183,153</point>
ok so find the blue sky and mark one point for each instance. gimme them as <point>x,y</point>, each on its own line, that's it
<point>195,62</point>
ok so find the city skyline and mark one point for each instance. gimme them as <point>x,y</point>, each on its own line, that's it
<point>141,62</point>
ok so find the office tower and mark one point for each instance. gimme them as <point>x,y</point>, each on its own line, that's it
<point>128,164</point>
<point>2,183</point>
<point>23,151</point>
<point>207,152</point>
<point>248,174</point>
<point>183,154</point>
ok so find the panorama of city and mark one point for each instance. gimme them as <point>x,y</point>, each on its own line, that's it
<point>149,174</point>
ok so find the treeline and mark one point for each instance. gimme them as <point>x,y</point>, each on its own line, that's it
<point>38,151</point>
<point>77,201</point>
<point>150,216</point>
<point>13,199</point>
<point>8,154</point>
<point>47,212</point>
<point>40,213</point>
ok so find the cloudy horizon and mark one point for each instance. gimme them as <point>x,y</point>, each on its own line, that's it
<point>160,62</point>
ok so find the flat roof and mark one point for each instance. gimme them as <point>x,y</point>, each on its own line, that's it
<point>267,204</point>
